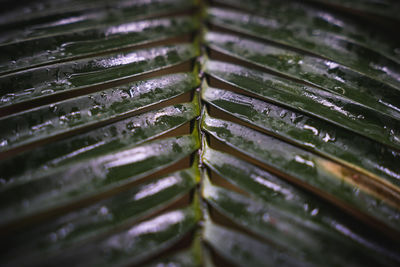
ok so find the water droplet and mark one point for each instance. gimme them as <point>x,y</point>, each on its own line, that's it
<point>3,143</point>
<point>63,119</point>
<point>340,89</point>
<point>132,92</point>
<point>53,108</point>
<point>302,160</point>
<point>328,138</point>
<point>295,118</point>
<point>305,207</point>
<point>103,211</point>
<point>309,145</point>
<point>331,65</point>
<point>313,129</point>
<point>266,111</point>
<point>41,126</point>
<point>47,91</point>
<point>394,137</point>
<point>314,212</point>
<point>266,217</point>
<point>283,114</point>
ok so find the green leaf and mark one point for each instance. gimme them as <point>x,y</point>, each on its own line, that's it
<point>71,16</point>
<point>74,228</point>
<point>133,245</point>
<point>73,45</point>
<point>309,100</point>
<point>243,250</point>
<point>311,133</point>
<point>86,111</point>
<point>61,186</point>
<point>329,179</point>
<point>131,131</point>
<point>287,216</point>
<point>324,74</point>
<point>305,19</point>
<point>72,76</point>
<point>183,258</point>
<point>386,8</point>
<point>106,159</point>
<point>271,28</point>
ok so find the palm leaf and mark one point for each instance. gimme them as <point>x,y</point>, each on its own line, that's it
<point>196,133</point>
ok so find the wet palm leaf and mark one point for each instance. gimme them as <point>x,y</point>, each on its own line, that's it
<point>198,133</point>
<point>310,100</point>
<point>73,45</point>
<point>357,57</point>
<point>311,133</point>
<point>85,111</point>
<point>125,208</point>
<point>321,73</point>
<point>63,78</point>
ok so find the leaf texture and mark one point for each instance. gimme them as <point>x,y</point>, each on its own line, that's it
<point>199,133</point>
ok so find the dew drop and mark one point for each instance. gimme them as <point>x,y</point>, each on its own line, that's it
<point>103,211</point>
<point>314,212</point>
<point>282,114</point>
<point>328,138</point>
<point>3,143</point>
<point>266,111</point>
<point>295,118</point>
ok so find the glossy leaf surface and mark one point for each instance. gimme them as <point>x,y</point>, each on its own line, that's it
<point>313,101</point>
<point>81,225</point>
<point>76,16</point>
<point>106,159</point>
<point>136,243</point>
<point>270,28</point>
<point>356,190</point>
<point>72,45</point>
<point>324,74</point>
<point>386,8</point>
<point>50,120</point>
<point>114,136</point>
<point>64,185</point>
<point>318,22</point>
<point>311,133</point>
<point>66,77</point>
<point>243,250</point>
<point>286,215</point>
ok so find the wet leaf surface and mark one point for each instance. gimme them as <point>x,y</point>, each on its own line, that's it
<point>68,115</point>
<point>80,226</point>
<point>310,133</point>
<point>114,136</point>
<point>271,28</point>
<point>331,178</point>
<point>66,77</point>
<point>64,185</point>
<point>310,100</point>
<point>324,74</point>
<point>106,159</point>
<point>289,217</point>
<point>72,45</point>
